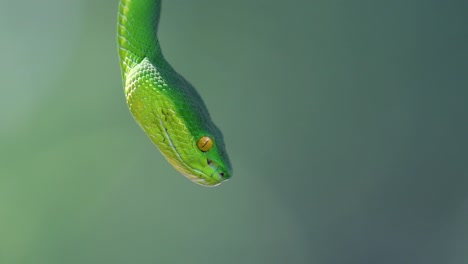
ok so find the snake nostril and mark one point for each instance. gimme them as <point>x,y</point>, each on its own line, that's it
<point>221,174</point>
<point>209,161</point>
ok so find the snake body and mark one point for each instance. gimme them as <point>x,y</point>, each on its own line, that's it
<point>165,105</point>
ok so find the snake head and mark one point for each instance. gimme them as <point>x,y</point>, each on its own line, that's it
<point>205,163</point>
<point>176,120</point>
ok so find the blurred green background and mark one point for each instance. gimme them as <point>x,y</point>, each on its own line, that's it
<point>345,121</point>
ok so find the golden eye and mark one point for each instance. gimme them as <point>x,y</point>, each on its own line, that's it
<point>205,144</point>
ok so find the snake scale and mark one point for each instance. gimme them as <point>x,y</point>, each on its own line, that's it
<point>165,105</point>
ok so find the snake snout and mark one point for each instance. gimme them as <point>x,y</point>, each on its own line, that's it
<point>219,171</point>
<point>224,176</point>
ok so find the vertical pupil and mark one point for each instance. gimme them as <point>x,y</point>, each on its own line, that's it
<point>205,144</point>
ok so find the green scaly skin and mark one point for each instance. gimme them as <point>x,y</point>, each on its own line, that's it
<point>163,103</point>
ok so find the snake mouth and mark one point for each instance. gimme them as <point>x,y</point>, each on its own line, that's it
<point>213,174</point>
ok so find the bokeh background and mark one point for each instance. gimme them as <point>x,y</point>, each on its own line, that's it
<point>345,121</point>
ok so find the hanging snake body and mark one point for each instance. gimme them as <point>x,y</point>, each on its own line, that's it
<point>164,104</point>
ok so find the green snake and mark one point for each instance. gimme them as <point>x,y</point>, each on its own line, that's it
<point>165,105</point>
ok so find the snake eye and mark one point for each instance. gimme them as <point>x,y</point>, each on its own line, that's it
<point>205,143</point>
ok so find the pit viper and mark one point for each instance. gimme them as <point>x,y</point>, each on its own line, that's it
<point>164,104</point>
